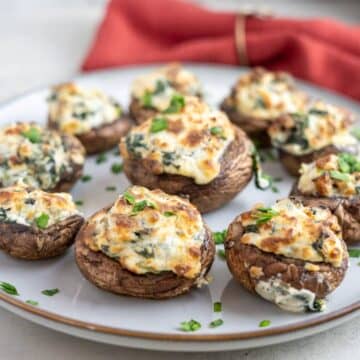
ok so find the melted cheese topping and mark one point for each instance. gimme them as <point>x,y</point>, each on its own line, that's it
<point>162,84</point>
<point>267,95</point>
<point>34,156</point>
<point>166,235</point>
<point>191,145</point>
<point>77,110</point>
<point>326,178</point>
<point>321,125</point>
<point>306,233</point>
<point>24,205</point>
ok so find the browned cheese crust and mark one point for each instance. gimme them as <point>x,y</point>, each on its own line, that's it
<point>243,259</point>
<point>346,210</point>
<point>109,275</point>
<point>235,174</point>
<point>31,243</point>
<point>102,138</point>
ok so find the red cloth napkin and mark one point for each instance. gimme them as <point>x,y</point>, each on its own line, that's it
<point>321,51</point>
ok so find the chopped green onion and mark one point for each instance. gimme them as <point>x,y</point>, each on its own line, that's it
<point>86,178</point>
<point>177,103</point>
<point>191,325</point>
<point>217,306</point>
<point>317,111</point>
<point>110,188</point>
<point>33,135</point>
<point>218,131</point>
<point>147,99</point>
<point>356,132</point>
<point>42,221</point>
<point>219,236</point>
<point>101,158</point>
<point>129,198</point>
<point>263,215</point>
<point>79,203</point>
<point>354,253</point>
<point>141,205</point>
<point>50,292</point>
<point>264,323</point>
<point>117,168</point>
<point>216,323</point>
<point>8,288</point>
<point>32,302</point>
<point>337,175</point>
<point>169,213</point>
<point>221,253</point>
<point>158,124</point>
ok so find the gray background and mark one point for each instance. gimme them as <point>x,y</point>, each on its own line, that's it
<point>44,41</point>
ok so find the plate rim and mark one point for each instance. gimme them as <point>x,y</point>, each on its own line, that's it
<point>353,308</point>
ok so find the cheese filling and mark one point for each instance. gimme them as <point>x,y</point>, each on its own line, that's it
<point>151,232</point>
<point>77,110</point>
<point>35,156</point>
<point>295,231</point>
<point>190,145</point>
<point>319,126</point>
<point>287,297</point>
<point>25,206</point>
<point>157,89</point>
<point>267,95</point>
<point>331,176</point>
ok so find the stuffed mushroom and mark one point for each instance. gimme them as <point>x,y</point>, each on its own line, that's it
<point>38,157</point>
<point>147,244</point>
<point>259,98</point>
<point>333,181</point>
<point>303,137</point>
<point>162,91</point>
<point>96,119</point>
<point>289,254</point>
<point>35,224</point>
<point>198,155</point>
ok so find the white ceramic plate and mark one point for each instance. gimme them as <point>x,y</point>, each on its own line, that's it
<point>83,310</point>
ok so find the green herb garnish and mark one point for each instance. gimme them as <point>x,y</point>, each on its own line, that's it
<point>221,253</point>
<point>79,203</point>
<point>8,288</point>
<point>158,124</point>
<point>191,325</point>
<point>50,292</point>
<point>147,99</point>
<point>32,302</point>
<point>318,112</point>
<point>337,175</point>
<point>348,163</point>
<point>169,213</point>
<point>33,135</point>
<point>141,205</point>
<point>263,215</point>
<point>117,168</point>
<point>110,188</point>
<point>356,132</point>
<point>216,323</point>
<point>177,103</point>
<point>42,221</point>
<point>86,178</point>
<point>101,158</point>
<point>217,306</point>
<point>218,131</point>
<point>354,253</point>
<point>264,323</point>
<point>129,198</point>
<point>219,236</point>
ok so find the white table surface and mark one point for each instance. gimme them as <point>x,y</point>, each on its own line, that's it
<point>44,41</point>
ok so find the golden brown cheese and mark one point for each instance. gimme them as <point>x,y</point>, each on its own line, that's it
<point>190,145</point>
<point>34,156</point>
<point>319,126</point>
<point>267,95</point>
<point>295,231</point>
<point>331,176</point>
<point>151,232</point>
<point>77,110</point>
<point>25,205</point>
<point>157,88</point>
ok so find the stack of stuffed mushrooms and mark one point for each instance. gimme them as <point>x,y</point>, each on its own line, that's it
<point>185,158</point>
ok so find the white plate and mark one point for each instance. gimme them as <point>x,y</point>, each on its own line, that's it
<point>83,310</point>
